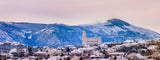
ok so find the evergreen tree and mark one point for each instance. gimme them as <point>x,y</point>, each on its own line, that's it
<point>68,58</point>
<point>30,51</point>
<point>62,55</point>
<point>80,58</point>
<point>68,50</point>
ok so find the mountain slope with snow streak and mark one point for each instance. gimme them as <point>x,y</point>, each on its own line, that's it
<point>114,30</point>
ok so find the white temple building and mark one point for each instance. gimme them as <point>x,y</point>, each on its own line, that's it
<point>90,41</point>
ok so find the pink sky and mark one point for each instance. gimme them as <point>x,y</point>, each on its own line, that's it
<point>143,13</point>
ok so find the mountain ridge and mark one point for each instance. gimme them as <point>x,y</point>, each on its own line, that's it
<point>33,34</point>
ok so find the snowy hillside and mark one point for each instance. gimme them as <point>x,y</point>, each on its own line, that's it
<point>114,30</point>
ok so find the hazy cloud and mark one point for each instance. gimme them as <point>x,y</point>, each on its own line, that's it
<point>144,13</point>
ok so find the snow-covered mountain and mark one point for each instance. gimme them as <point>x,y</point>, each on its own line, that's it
<point>114,30</point>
